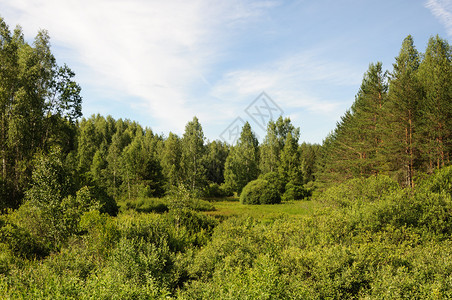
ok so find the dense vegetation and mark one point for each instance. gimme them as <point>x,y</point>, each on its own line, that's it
<point>103,208</point>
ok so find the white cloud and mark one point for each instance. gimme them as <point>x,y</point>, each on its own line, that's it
<point>160,53</point>
<point>151,50</point>
<point>289,80</point>
<point>442,10</point>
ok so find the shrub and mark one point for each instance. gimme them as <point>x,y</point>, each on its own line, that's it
<point>147,205</point>
<point>201,205</point>
<point>260,191</point>
<point>107,203</point>
<point>275,179</point>
<point>214,190</point>
<point>295,192</point>
<point>440,181</point>
<point>21,242</point>
<point>359,190</point>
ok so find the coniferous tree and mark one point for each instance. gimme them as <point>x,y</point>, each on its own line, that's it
<point>355,146</point>
<point>435,74</point>
<point>369,126</point>
<point>401,115</point>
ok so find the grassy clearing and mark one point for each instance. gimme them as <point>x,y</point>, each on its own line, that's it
<point>232,207</point>
<point>226,207</point>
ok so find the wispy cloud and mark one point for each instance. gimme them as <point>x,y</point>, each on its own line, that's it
<point>442,10</point>
<point>290,79</point>
<point>154,51</point>
<point>173,59</point>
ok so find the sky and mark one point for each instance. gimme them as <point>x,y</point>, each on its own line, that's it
<point>161,63</point>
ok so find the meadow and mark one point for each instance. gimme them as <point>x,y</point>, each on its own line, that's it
<point>363,239</point>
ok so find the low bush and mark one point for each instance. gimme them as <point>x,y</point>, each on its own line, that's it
<point>440,181</point>
<point>295,192</point>
<point>359,190</point>
<point>147,205</point>
<point>214,190</point>
<point>260,191</point>
<point>21,243</point>
<point>275,180</point>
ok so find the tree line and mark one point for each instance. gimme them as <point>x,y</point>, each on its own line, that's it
<point>399,125</point>
<point>42,129</point>
<point>39,106</point>
<point>129,161</point>
<point>400,122</point>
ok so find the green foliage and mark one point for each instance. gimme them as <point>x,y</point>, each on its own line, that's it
<point>242,163</point>
<point>367,238</point>
<point>147,205</point>
<point>359,190</point>
<point>276,180</point>
<point>435,75</point>
<point>393,246</point>
<point>170,160</point>
<point>217,153</point>
<point>57,211</point>
<point>399,128</point>
<point>295,192</point>
<point>440,181</point>
<point>106,202</point>
<point>39,104</point>
<point>192,156</point>
<point>260,191</point>
<point>20,242</point>
<point>216,191</point>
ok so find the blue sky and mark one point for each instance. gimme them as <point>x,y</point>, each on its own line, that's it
<point>163,62</point>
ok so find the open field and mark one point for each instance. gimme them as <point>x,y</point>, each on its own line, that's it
<point>233,207</point>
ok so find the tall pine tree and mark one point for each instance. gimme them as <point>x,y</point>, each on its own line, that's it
<point>435,74</point>
<point>401,115</point>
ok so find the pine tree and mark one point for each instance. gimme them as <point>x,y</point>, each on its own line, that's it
<point>401,115</point>
<point>435,73</point>
<point>369,126</point>
<point>355,146</point>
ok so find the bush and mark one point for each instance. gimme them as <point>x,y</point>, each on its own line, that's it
<point>260,191</point>
<point>359,190</point>
<point>201,205</point>
<point>440,181</point>
<point>21,242</point>
<point>214,190</point>
<point>275,179</point>
<point>107,203</point>
<point>295,192</point>
<point>147,205</point>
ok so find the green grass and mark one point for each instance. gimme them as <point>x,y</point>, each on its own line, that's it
<point>232,207</point>
<point>227,207</point>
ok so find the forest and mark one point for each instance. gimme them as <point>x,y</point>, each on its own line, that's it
<point>102,208</point>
